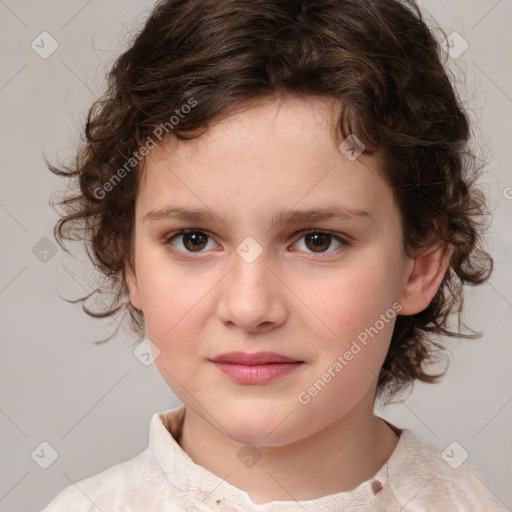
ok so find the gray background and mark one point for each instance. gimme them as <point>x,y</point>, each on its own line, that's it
<point>93,403</point>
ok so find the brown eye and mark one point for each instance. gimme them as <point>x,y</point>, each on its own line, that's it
<point>321,241</point>
<point>318,242</point>
<point>192,241</point>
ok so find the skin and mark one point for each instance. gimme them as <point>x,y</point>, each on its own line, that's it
<point>308,305</point>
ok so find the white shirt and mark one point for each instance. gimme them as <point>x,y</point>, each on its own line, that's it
<point>163,478</point>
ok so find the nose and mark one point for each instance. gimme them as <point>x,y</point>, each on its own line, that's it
<point>253,297</point>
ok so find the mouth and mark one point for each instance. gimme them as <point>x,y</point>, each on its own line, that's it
<point>255,368</point>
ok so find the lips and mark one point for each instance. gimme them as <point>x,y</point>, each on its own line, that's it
<point>255,368</point>
<point>253,358</point>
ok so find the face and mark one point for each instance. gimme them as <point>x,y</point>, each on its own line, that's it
<point>322,291</point>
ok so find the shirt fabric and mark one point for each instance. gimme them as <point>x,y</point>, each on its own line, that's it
<point>163,478</point>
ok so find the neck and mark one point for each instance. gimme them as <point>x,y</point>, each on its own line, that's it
<point>336,459</point>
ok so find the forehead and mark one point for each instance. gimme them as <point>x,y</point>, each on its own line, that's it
<point>278,153</point>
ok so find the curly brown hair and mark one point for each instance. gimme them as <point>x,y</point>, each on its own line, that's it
<point>377,58</point>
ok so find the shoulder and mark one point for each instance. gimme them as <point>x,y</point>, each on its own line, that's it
<point>131,485</point>
<point>423,476</point>
<point>144,482</point>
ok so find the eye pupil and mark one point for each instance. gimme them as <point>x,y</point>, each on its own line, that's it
<point>198,240</point>
<point>318,240</point>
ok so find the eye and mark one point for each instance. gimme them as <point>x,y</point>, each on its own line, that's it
<point>192,240</point>
<point>320,241</point>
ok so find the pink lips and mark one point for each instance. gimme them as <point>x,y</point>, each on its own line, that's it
<point>255,368</point>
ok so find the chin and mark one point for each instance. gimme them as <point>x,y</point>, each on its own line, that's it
<point>261,427</point>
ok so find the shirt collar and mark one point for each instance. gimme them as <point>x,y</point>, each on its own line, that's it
<point>202,486</point>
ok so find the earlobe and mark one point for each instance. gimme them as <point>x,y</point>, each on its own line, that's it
<point>428,271</point>
<point>133,286</point>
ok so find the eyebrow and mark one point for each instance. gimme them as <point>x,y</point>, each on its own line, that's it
<point>340,213</point>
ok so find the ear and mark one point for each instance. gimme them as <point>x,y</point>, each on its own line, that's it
<point>133,286</point>
<point>429,267</point>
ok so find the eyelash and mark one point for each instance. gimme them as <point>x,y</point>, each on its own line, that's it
<point>302,234</point>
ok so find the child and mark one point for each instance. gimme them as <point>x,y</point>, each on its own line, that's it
<point>281,197</point>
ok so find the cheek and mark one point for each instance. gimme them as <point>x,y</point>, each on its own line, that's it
<point>173,315</point>
<point>352,300</point>
<point>357,311</point>
<point>169,293</point>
